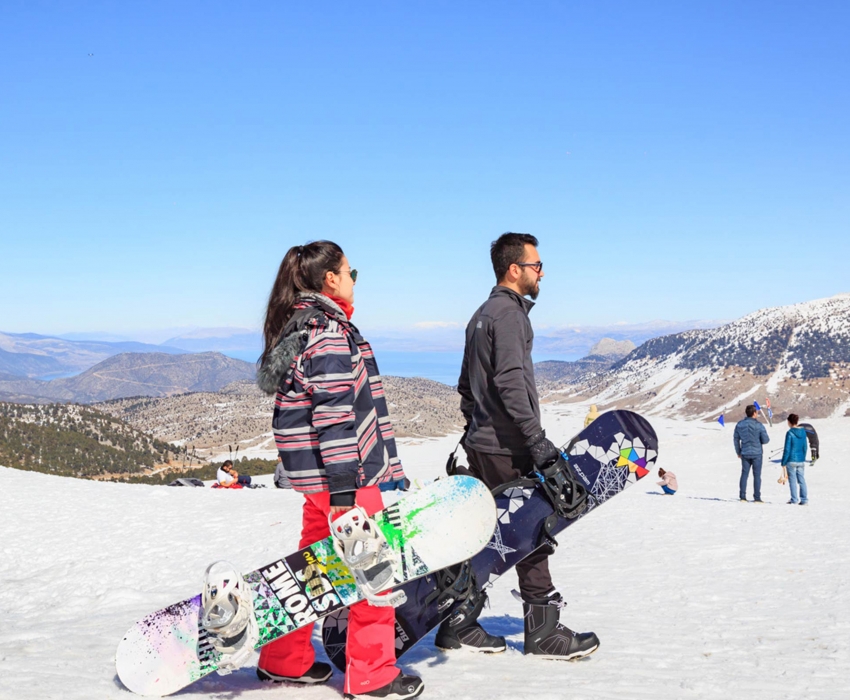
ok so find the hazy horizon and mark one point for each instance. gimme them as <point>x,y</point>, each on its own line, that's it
<point>441,338</point>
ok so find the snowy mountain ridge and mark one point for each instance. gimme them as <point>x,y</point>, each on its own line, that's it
<point>797,356</point>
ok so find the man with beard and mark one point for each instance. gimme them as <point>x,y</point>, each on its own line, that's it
<point>504,441</point>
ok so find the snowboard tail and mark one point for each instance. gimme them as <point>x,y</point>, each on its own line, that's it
<point>613,452</point>
<point>170,649</point>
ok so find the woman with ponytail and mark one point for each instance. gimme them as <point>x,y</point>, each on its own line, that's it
<point>336,444</point>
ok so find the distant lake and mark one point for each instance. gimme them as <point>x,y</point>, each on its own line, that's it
<point>442,367</point>
<point>59,375</point>
<point>246,355</point>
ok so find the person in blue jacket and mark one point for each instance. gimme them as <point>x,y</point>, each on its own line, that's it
<point>749,437</point>
<point>794,460</point>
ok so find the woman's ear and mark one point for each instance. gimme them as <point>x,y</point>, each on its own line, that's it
<point>330,282</point>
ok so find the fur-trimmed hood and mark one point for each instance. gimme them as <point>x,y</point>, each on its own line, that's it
<point>308,309</point>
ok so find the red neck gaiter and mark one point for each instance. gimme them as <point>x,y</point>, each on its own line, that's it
<point>347,308</point>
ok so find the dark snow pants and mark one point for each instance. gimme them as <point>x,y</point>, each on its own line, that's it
<point>535,582</point>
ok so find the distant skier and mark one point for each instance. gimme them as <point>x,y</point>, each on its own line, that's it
<point>749,436</point>
<point>336,443</point>
<point>794,460</point>
<point>814,441</point>
<point>504,440</point>
<point>668,482</point>
<point>591,416</point>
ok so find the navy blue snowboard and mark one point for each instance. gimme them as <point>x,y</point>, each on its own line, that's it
<point>614,451</point>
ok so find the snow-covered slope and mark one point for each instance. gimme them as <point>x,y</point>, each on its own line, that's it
<point>798,356</point>
<point>695,596</point>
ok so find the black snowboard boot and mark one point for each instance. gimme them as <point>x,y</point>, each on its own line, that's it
<point>401,688</point>
<point>319,672</point>
<point>546,637</point>
<point>462,631</point>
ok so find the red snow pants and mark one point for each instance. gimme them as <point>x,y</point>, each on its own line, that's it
<point>370,652</point>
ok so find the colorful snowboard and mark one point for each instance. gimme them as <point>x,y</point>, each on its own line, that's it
<point>614,451</point>
<point>441,524</point>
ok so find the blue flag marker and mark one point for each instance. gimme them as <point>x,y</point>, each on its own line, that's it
<point>756,404</point>
<point>769,412</point>
<point>721,421</point>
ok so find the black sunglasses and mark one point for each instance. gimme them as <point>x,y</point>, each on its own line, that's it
<point>538,266</point>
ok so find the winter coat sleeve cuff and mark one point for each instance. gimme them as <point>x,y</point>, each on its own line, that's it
<point>342,482</point>
<point>534,439</point>
<point>345,498</point>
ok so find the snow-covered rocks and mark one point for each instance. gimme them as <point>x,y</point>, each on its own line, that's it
<point>797,356</point>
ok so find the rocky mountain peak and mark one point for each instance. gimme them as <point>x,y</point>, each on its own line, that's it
<point>799,354</point>
<point>608,347</point>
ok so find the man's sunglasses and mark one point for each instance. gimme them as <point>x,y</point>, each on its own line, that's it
<point>538,266</point>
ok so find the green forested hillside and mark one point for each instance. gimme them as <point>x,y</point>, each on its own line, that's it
<point>73,440</point>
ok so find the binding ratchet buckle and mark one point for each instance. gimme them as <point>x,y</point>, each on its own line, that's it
<point>566,494</point>
<point>454,584</point>
<point>362,546</point>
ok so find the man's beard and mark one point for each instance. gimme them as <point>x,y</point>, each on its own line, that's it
<point>531,289</point>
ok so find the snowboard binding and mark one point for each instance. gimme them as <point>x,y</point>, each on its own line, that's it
<point>227,615</point>
<point>566,494</point>
<point>455,584</point>
<point>458,591</point>
<point>362,546</point>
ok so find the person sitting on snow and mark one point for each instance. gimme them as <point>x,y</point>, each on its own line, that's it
<point>668,482</point>
<point>281,481</point>
<point>228,476</point>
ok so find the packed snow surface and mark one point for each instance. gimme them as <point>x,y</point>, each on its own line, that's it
<point>695,595</point>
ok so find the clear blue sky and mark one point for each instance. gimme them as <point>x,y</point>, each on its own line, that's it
<point>677,160</point>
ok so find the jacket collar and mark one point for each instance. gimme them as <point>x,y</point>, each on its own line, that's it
<point>526,304</point>
<point>328,305</point>
<point>272,370</point>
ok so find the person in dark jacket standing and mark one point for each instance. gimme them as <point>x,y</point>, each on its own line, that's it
<point>749,436</point>
<point>504,440</point>
<point>794,460</point>
<point>336,444</point>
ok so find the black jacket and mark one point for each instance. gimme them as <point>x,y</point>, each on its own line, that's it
<point>498,395</point>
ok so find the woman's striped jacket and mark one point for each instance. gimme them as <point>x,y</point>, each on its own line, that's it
<point>331,423</point>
